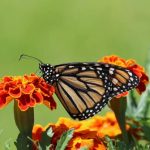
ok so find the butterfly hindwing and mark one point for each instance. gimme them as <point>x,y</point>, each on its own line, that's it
<point>85,88</point>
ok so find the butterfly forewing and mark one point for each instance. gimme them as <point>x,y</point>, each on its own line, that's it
<point>81,95</point>
<point>85,88</point>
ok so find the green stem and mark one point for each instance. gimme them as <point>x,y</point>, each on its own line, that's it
<point>119,107</point>
<point>24,121</point>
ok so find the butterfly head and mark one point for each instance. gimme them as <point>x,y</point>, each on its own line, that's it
<point>47,72</point>
<point>45,67</point>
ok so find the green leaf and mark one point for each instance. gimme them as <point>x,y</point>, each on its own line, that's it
<point>120,145</point>
<point>50,132</point>
<point>23,142</point>
<point>84,148</point>
<point>64,139</point>
<point>48,147</point>
<point>45,141</point>
<point>46,138</point>
<point>144,104</point>
<point>39,147</point>
<point>131,104</point>
<point>110,144</point>
<point>142,146</point>
<point>146,130</point>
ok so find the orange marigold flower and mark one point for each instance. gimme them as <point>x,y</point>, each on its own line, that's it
<point>27,90</point>
<point>81,139</point>
<point>88,133</point>
<point>78,143</point>
<point>131,65</point>
<point>69,123</point>
<point>104,125</point>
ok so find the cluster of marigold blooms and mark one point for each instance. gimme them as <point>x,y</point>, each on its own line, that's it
<point>88,134</point>
<point>29,90</point>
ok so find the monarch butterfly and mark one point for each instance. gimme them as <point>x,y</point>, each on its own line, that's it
<point>85,88</point>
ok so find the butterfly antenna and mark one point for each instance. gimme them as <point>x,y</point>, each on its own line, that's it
<point>28,56</point>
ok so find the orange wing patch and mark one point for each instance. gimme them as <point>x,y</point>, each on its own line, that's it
<point>87,73</point>
<point>73,96</point>
<point>74,81</point>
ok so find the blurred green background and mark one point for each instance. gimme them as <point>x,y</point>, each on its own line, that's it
<point>67,31</point>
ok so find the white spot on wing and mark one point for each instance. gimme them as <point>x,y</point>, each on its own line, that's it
<point>99,68</point>
<point>129,84</point>
<point>130,73</point>
<point>83,68</point>
<point>57,75</point>
<point>96,64</point>
<point>106,65</point>
<point>131,79</point>
<point>87,111</point>
<point>115,89</point>
<point>91,68</point>
<point>71,66</point>
<point>111,72</point>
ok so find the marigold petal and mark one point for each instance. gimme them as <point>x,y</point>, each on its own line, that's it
<point>46,89</point>
<point>1,86</point>
<point>14,92</point>
<point>32,78</point>
<point>24,102</point>
<point>37,96</point>
<point>93,123</point>
<point>141,88</point>
<point>113,59</point>
<point>78,143</point>
<point>49,102</point>
<point>37,132</point>
<point>136,69</point>
<point>86,134</point>
<point>100,146</point>
<point>28,89</point>
<point>144,78</point>
<point>58,131</point>
<point>22,107</point>
<point>7,79</point>
<point>69,123</point>
<point>8,85</point>
<point>122,95</point>
<point>4,98</point>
